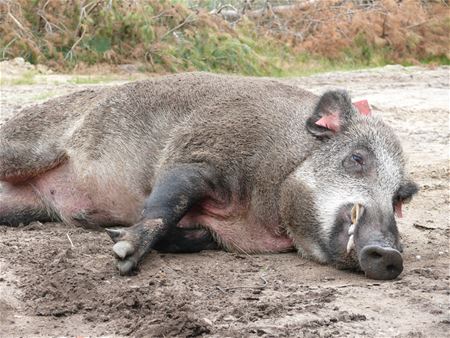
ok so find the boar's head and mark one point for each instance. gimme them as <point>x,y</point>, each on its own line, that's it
<point>340,204</point>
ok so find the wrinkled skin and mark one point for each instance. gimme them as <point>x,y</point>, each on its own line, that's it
<point>197,161</point>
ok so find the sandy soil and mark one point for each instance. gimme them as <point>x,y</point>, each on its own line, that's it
<point>61,281</point>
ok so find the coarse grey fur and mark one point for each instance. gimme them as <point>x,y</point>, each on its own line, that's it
<point>282,174</point>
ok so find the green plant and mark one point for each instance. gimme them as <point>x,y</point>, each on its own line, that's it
<point>172,36</point>
<point>26,78</point>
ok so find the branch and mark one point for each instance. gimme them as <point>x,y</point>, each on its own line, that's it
<point>185,22</point>
<point>417,24</point>
<point>16,21</point>
<point>69,54</point>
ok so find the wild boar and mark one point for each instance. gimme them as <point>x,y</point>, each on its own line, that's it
<point>196,161</point>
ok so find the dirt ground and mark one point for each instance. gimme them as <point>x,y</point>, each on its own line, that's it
<point>61,281</point>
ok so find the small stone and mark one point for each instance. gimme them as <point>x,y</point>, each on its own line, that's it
<point>418,257</point>
<point>207,321</point>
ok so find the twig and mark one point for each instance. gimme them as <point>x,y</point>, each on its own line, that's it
<point>16,21</point>
<point>354,285</point>
<point>69,54</point>
<point>48,24</point>
<point>421,226</point>
<point>220,289</point>
<point>178,27</point>
<point>417,24</point>
<point>23,33</point>
<point>71,243</point>
<point>158,15</point>
<point>7,45</point>
<point>223,7</point>
<point>84,12</point>
<point>45,5</point>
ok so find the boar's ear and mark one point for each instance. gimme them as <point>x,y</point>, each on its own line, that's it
<point>331,114</point>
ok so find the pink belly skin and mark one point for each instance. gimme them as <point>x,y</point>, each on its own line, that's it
<point>235,230</point>
<point>60,190</point>
<point>74,197</point>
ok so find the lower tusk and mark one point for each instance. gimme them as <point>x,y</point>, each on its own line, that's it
<point>351,229</point>
<point>350,244</point>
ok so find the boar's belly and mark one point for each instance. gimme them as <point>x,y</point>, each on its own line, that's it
<point>235,232</point>
<point>86,201</point>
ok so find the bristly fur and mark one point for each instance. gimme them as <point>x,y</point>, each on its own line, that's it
<point>94,156</point>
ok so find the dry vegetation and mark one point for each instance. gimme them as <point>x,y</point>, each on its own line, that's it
<point>169,36</point>
<point>383,31</point>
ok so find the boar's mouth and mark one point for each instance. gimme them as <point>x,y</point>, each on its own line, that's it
<point>374,244</point>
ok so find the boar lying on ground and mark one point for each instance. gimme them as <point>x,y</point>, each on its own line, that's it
<point>197,161</point>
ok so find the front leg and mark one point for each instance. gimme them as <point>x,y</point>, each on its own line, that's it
<point>176,191</point>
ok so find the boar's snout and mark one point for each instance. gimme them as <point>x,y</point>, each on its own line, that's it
<point>377,242</point>
<point>380,262</point>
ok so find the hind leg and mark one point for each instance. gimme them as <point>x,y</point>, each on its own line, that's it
<point>20,161</point>
<point>19,204</point>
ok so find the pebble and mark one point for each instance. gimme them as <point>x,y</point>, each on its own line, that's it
<point>418,257</point>
<point>207,321</point>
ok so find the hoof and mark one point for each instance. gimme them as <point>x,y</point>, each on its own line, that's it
<point>133,243</point>
<point>123,249</point>
<point>115,234</point>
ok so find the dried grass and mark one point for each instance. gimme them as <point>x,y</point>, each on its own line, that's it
<point>407,31</point>
<point>166,37</point>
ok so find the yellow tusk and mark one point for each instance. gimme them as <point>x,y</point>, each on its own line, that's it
<point>356,213</point>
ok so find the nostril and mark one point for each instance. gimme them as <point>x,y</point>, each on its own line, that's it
<point>391,268</point>
<point>375,255</point>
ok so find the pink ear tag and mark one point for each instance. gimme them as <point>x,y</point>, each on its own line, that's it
<point>363,107</point>
<point>330,122</point>
<point>398,209</point>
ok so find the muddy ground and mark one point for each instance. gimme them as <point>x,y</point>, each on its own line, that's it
<point>61,281</point>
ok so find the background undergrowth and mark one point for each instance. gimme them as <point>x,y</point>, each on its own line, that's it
<point>263,38</point>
